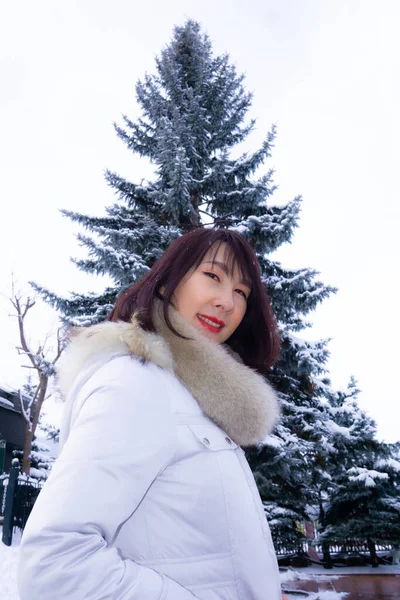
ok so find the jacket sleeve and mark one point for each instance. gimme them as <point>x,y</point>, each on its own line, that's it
<point>121,439</point>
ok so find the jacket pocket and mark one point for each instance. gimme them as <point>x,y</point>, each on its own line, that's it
<point>212,437</point>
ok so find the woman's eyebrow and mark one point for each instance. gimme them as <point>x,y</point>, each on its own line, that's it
<point>225,269</point>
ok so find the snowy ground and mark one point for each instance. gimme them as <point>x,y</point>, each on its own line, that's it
<point>293,575</point>
<point>8,567</point>
<point>9,557</point>
<point>319,596</point>
<point>319,573</point>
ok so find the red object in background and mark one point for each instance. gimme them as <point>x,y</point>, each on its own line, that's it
<point>312,553</point>
<point>309,530</point>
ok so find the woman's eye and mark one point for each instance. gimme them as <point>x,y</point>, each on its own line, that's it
<point>241,292</point>
<point>212,275</point>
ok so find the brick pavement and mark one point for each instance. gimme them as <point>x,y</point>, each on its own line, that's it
<point>358,587</point>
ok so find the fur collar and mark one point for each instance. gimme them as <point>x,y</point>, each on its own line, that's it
<point>231,394</point>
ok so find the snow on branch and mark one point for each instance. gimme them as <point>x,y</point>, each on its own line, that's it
<point>390,463</point>
<point>368,477</point>
<point>336,429</point>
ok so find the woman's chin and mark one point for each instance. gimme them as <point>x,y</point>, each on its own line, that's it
<point>210,335</point>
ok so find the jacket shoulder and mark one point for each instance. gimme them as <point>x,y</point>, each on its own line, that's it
<point>120,386</point>
<point>103,341</point>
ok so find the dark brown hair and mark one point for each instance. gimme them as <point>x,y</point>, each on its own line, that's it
<point>256,339</point>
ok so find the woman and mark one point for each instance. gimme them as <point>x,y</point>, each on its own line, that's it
<point>151,496</point>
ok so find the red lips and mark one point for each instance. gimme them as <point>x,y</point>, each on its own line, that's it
<point>214,320</point>
<point>208,326</point>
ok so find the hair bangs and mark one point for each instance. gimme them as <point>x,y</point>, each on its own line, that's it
<point>236,257</point>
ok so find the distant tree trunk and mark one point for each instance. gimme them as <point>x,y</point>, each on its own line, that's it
<point>372,551</point>
<point>31,424</point>
<point>26,458</point>
<point>194,215</point>
<point>326,556</point>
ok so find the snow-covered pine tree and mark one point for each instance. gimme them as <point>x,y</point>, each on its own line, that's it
<point>193,115</point>
<point>41,460</point>
<point>361,501</point>
<point>291,466</point>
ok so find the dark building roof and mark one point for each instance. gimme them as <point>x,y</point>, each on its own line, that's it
<point>9,399</point>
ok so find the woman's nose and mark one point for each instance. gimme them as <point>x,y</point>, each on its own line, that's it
<point>225,301</point>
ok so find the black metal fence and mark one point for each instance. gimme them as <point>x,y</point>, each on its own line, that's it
<point>24,500</point>
<point>285,548</point>
<point>282,548</point>
<point>351,547</point>
<point>17,497</point>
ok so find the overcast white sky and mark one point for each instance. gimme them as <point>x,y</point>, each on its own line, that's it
<point>326,71</point>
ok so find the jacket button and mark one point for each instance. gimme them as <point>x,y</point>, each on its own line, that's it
<point>206,441</point>
<point>228,440</point>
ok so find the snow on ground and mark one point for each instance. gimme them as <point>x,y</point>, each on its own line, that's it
<point>8,567</point>
<point>320,596</point>
<point>328,595</point>
<point>305,575</point>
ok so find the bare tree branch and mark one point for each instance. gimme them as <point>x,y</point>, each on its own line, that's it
<point>25,413</point>
<point>60,343</point>
<point>30,411</point>
<point>21,314</point>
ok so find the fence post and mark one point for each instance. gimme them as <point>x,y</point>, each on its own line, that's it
<point>9,506</point>
<point>326,555</point>
<point>2,455</point>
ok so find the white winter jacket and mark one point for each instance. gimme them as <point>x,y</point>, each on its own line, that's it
<point>151,497</point>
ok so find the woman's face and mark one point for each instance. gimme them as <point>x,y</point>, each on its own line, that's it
<point>211,299</point>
